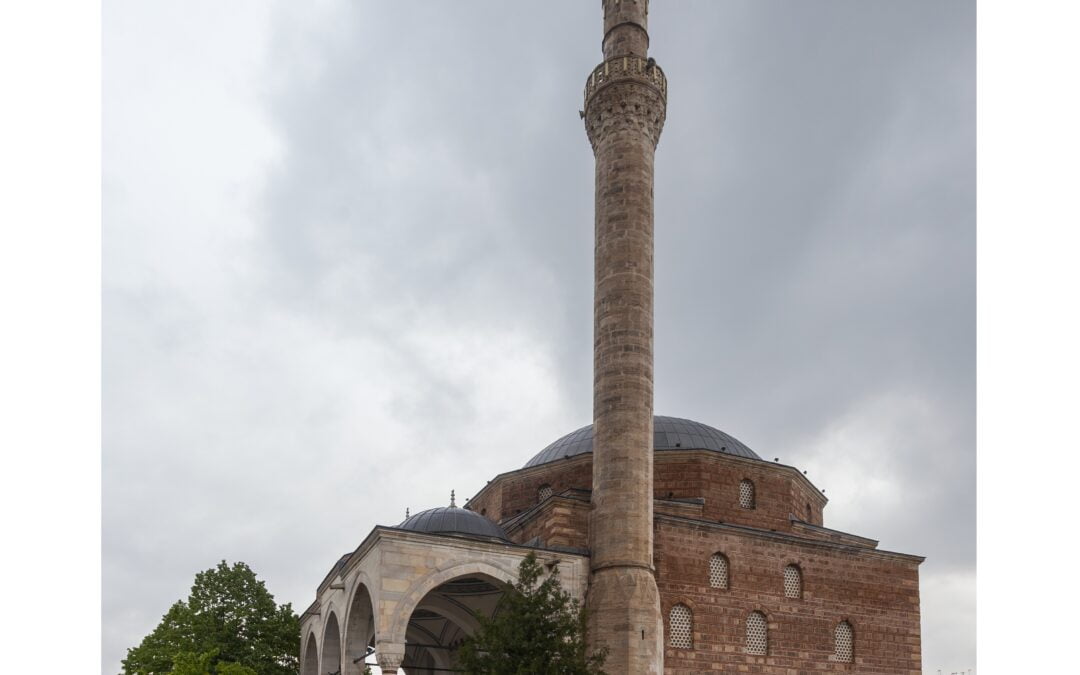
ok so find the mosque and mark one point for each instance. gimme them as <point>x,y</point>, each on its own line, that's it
<point>692,553</point>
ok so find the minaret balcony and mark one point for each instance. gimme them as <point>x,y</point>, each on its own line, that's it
<point>623,68</point>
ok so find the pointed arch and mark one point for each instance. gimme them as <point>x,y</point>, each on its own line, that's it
<point>359,628</point>
<point>421,587</point>
<point>310,664</point>
<point>681,627</point>
<point>747,494</point>
<point>543,493</point>
<point>331,645</point>
<point>844,651</point>
<point>793,582</point>
<point>757,634</point>
<point>719,571</point>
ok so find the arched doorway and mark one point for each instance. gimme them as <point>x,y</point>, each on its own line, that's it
<point>331,647</point>
<point>444,617</point>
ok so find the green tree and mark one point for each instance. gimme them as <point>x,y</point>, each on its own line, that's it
<point>538,629</point>
<point>189,663</point>
<point>229,625</point>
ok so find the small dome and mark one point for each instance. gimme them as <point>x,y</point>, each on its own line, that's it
<point>452,520</point>
<point>669,433</point>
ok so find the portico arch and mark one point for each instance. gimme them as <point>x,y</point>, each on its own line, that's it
<point>410,600</point>
<point>331,646</point>
<point>311,657</point>
<point>444,614</point>
<point>359,628</point>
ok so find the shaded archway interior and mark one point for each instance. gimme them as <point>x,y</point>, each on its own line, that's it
<point>442,620</point>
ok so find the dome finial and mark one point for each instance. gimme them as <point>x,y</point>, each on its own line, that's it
<point>452,504</point>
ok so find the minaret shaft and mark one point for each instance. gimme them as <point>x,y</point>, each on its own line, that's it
<point>625,103</point>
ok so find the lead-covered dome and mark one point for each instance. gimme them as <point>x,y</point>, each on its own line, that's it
<point>669,433</point>
<point>452,520</point>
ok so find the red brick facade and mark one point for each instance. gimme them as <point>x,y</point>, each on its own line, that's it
<point>876,593</point>
<point>697,514</point>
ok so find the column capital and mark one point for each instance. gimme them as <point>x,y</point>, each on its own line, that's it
<point>389,655</point>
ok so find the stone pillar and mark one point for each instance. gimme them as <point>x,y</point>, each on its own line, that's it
<point>625,107</point>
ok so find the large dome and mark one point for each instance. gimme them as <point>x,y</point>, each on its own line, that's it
<point>452,520</point>
<point>669,433</point>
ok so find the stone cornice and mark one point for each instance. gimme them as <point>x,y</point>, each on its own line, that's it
<point>789,538</point>
<point>825,531</point>
<point>380,532</point>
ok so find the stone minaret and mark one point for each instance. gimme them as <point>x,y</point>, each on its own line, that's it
<point>625,104</point>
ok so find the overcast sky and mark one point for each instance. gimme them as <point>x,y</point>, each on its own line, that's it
<point>348,268</point>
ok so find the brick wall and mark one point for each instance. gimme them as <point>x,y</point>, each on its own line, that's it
<point>560,522</point>
<point>877,592</point>
<point>678,474</point>
<point>779,492</point>
<point>513,493</point>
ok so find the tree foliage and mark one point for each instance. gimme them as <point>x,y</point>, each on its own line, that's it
<point>537,629</point>
<point>190,663</point>
<point>229,625</point>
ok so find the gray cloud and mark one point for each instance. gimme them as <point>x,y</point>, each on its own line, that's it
<point>348,254</point>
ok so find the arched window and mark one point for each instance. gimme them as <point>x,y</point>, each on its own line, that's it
<point>543,493</point>
<point>746,494</point>
<point>718,571</point>
<point>757,634</point>
<point>792,582</point>
<point>681,627</point>
<point>845,643</point>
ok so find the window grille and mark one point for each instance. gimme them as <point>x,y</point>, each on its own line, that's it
<point>718,571</point>
<point>757,634</point>
<point>544,493</point>
<point>746,494</point>
<point>792,582</point>
<point>681,627</point>
<point>845,643</point>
